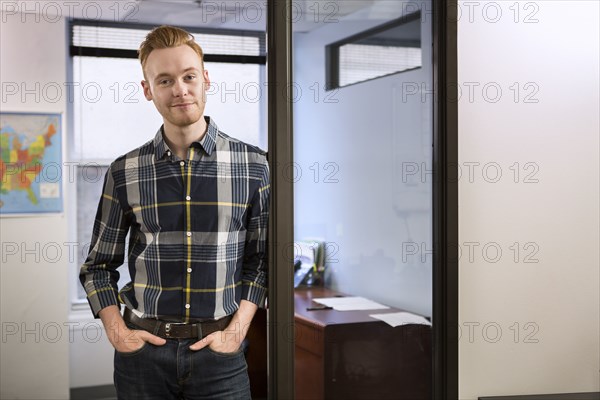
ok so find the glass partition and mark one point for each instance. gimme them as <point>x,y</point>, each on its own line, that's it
<point>363,128</point>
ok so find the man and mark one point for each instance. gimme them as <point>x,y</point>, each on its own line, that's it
<point>195,204</point>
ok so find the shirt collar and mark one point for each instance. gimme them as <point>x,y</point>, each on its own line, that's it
<point>208,141</point>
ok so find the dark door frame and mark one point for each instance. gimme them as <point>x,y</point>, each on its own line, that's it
<point>280,317</point>
<point>445,201</point>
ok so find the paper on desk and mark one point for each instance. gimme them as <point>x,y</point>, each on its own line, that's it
<point>350,303</point>
<point>401,318</point>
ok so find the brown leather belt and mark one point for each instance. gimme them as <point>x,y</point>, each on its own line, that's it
<point>177,330</point>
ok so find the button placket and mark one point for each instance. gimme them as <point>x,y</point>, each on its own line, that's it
<point>186,167</point>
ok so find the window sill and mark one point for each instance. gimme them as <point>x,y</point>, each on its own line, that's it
<point>80,311</point>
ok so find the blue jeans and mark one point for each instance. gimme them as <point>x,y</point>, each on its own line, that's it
<point>173,371</point>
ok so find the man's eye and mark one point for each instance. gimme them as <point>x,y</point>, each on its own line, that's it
<point>190,77</point>
<point>164,82</point>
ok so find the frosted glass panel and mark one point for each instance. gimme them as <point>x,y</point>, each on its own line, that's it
<point>236,100</point>
<point>112,117</point>
<point>111,114</point>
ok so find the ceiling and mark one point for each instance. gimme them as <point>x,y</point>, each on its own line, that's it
<point>225,14</point>
<point>307,15</point>
<point>244,14</point>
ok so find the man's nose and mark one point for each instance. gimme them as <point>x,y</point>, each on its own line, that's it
<point>179,89</point>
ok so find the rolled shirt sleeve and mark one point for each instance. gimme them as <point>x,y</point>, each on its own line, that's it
<point>254,270</point>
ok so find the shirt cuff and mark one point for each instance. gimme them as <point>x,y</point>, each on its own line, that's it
<point>102,298</point>
<point>254,293</point>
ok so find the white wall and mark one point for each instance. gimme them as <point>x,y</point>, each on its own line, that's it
<point>34,285</point>
<point>559,295</point>
<point>33,292</point>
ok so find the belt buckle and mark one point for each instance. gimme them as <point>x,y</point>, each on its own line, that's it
<point>168,326</point>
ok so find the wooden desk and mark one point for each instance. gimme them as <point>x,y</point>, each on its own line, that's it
<point>349,355</point>
<point>346,354</point>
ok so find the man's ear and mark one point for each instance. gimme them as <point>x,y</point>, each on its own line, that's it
<point>206,80</point>
<point>147,92</point>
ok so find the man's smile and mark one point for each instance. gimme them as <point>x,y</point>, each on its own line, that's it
<point>182,105</point>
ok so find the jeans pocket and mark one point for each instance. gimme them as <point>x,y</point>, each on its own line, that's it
<point>132,353</point>
<point>218,353</point>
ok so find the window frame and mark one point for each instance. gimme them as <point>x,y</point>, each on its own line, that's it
<point>332,51</point>
<point>78,304</point>
<point>123,53</point>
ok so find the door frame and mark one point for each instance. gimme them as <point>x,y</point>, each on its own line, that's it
<point>445,201</point>
<point>280,319</point>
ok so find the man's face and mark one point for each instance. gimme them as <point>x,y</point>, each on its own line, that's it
<point>177,84</point>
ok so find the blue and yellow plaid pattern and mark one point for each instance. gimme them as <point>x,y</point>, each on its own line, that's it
<point>197,229</point>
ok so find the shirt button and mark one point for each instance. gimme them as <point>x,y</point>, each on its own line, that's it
<point>189,270</point>
<point>189,234</point>
<point>187,306</point>
<point>188,198</point>
<point>182,163</point>
<point>169,153</point>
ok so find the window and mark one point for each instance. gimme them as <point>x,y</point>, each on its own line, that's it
<point>89,188</point>
<point>387,49</point>
<point>110,115</point>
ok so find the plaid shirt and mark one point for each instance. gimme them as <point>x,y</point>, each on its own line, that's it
<point>197,230</point>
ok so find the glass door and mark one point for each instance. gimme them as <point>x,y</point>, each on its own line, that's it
<point>362,101</point>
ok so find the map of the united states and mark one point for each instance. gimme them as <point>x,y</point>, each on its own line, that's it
<point>28,145</point>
